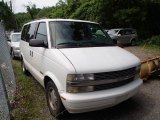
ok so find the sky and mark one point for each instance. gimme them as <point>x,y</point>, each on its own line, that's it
<point>18,5</point>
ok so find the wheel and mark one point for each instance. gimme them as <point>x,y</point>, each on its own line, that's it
<point>133,42</point>
<point>12,54</point>
<point>25,71</point>
<point>53,100</point>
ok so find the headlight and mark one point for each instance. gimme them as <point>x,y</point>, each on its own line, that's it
<point>80,77</point>
<point>75,83</point>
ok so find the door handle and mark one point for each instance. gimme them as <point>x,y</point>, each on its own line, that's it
<point>31,53</point>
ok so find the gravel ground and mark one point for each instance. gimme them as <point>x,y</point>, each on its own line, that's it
<point>143,106</point>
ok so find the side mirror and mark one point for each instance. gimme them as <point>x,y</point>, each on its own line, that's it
<point>38,43</point>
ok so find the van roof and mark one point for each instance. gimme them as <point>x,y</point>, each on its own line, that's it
<point>49,20</point>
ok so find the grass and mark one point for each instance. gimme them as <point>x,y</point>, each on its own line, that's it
<point>154,48</point>
<point>152,43</point>
<point>30,101</point>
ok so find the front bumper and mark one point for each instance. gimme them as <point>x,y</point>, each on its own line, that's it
<point>17,53</point>
<point>85,102</point>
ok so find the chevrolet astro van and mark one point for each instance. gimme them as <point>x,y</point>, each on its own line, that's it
<point>78,65</point>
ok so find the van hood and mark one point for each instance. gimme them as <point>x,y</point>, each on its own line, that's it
<point>15,44</point>
<point>100,59</point>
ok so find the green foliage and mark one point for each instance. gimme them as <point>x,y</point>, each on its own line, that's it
<point>32,10</point>
<point>7,16</point>
<point>59,10</point>
<point>155,40</point>
<point>45,12</point>
<point>139,14</point>
<point>22,18</point>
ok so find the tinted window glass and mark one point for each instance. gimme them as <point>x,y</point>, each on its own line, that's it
<point>70,34</point>
<point>16,37</point>
<point>42,32</point>
<point>30,33</point>
<point>24,33</point>
<point>122,32</point>
<point>128,32</point>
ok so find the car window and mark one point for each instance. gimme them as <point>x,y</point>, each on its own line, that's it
<point>24,33</point>
<point>112,32</point>
<point>128,32</point>
<point>122,32</point>
<point>16,37</point>
<point>42,32</point>
<point>79,34</point>
<point>134,32</point>
<point>30,32</point>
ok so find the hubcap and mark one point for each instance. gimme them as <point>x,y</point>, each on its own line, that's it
<point>23,66</point>
<point>52,99</point>
<point>12,54</point>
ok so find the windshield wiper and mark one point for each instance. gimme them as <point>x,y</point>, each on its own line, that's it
<point>68,44</point>
<point>91,43</point>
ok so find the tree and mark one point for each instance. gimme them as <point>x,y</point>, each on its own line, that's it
<point>32,10</point>
<point>7,16</point>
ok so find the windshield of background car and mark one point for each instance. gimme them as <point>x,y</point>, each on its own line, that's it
<point>112,32</point>
<point>16,37</point>
<point>69,34</point>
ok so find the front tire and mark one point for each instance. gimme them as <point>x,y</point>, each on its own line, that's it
<point>12,54</point>
<point>25,71</point>
<point>53,100</point>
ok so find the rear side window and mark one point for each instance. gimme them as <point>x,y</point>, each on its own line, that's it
<point>41,32</point>
<point>28,32</point>
<point>24,33</point>
<point>128,32</point>
<point>122,32</point>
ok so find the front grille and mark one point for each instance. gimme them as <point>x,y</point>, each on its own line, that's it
<point>113,85</point>
<point>115,74</point>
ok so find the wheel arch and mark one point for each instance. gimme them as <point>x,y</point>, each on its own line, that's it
<point>50,77</point>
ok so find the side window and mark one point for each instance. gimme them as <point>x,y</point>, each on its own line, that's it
<point>42,32</point>
<point>122,32</point>
<point>128,32</point>
<point>134,32</point>
<point>24,33</point>
<point>30,33</point>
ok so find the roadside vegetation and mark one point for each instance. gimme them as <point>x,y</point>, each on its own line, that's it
<point>30,102</point>
<point>138,14</point>
<point>152,43</point>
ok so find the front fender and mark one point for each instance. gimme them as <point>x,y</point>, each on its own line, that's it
<point>55,80</point>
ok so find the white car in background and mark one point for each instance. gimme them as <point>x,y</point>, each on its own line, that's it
<point>78,65</point>
<point>13,44</point>
<point>124,36</point>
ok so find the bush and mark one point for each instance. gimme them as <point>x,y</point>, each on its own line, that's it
<point>154,40</point>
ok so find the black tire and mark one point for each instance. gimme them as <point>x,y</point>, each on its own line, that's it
<point>133,42</point>
<point>12,54</point>
<point>53,100</point>
<point>25,71</point>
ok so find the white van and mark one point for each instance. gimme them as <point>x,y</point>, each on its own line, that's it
<point>78,65</point>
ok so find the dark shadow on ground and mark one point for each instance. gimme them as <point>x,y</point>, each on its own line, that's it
<point>133,109</point>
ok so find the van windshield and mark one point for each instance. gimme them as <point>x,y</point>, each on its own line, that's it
<point>69,34</point>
